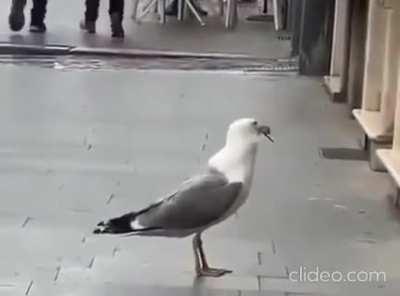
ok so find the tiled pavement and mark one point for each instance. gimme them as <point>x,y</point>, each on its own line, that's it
<point>79,146</point>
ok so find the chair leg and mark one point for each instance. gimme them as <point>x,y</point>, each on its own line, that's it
<point>161,10</point>
<point>195,12</point>
<point>181,8</point>
<point>228,13</point>
<point>231,14</point>
<point>147,8</point>
<point>221,7</point>
<point>135,5</point>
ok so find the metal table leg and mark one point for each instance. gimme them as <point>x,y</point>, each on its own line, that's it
<point>181,8</point>
<point>195,12</point>
<point>263,17</point>
<point>135,4</point>
<point>231,17</point>
<point>161,10</point>
<point>147,9</point>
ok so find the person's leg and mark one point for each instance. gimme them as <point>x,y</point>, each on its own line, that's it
<point>16,19</point>
<point>91,15</point>
<point>38,14</point>
<point>116,12</point>
<point>117,6</point>
<point>92,10</point>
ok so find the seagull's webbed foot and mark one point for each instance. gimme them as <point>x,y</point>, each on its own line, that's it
<point>212,272</point>
<point>202,267</point>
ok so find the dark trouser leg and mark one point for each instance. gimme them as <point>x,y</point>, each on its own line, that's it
<point>117,6</point>
<point>38,12</point>
<point>16,18</point>
<point>116,12</point>
<point>92,10</point>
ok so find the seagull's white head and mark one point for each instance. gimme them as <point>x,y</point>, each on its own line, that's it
<point>247,131</point>
<point>236,159</point>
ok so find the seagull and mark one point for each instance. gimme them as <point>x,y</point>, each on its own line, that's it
<point>203,200</point>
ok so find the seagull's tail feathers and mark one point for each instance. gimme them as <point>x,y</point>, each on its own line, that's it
<point>118,225</point>
<point>124,224</point>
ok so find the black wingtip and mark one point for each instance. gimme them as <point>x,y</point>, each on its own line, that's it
<point>101,226</point>
<point>96,231</point>
<point>116,225</point>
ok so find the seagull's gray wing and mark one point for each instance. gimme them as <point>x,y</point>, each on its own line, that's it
<point>200,201</point>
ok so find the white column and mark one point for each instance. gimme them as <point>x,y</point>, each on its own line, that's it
<point>390,70</point>
<point>375,44</point>
<point>340,40</point>
<point>391,95</point>
<point>396,134</point>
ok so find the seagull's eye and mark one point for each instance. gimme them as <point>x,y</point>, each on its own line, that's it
<point>255,123</point>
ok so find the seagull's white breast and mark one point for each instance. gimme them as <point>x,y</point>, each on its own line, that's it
<point>237,164</point>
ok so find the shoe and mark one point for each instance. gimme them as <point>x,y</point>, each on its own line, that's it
<point>172,9</point>
<point>116,25</point>
<point>87,26</point>
<point>38,28</point>
<point>118,34</point>
<point>16,19</point>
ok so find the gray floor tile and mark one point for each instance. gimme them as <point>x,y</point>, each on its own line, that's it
<point>308,206</point>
